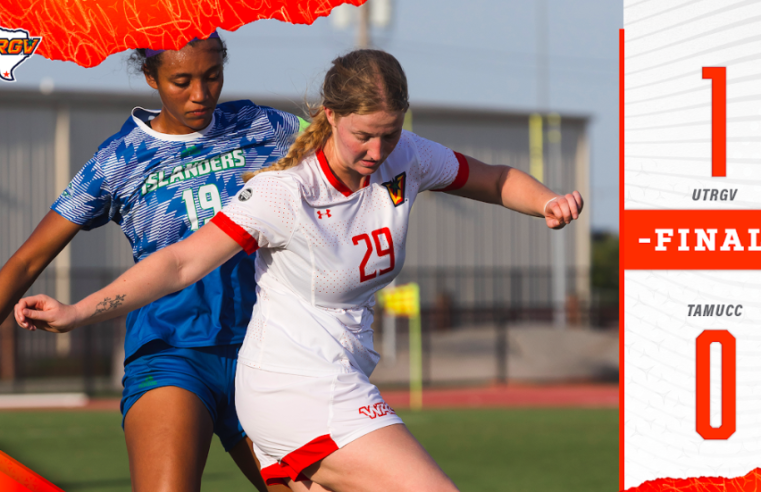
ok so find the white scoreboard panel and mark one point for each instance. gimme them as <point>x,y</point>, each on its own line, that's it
<point>663,324</point>
<point>691,242</point>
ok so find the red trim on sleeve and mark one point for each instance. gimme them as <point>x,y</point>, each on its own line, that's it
<point>329,174</point>
<point>462,174</point>
<point>294,462</point>
<point>239,234</point>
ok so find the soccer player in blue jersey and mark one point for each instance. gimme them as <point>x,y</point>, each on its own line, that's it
<point>161,177</point>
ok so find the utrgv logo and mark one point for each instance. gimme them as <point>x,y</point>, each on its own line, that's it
<point>376,410</point>
<point>15,47</point>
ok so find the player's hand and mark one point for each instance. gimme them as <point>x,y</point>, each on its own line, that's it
<point>45,313</point>
<point>562,209</point>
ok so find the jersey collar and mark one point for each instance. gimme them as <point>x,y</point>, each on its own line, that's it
<point>139,113</point>
<point>338,185</point>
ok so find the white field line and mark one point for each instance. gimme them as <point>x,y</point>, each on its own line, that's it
<point>43,400</point>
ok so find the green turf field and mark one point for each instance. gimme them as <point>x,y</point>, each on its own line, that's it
<point>515,450</point>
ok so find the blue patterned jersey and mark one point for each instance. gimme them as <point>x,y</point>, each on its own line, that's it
<point>160,188</point>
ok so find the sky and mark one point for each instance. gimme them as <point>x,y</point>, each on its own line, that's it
<point>479,53</point>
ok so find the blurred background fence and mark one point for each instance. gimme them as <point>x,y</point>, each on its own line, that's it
<point>461,297</point>
<point>479,325</point>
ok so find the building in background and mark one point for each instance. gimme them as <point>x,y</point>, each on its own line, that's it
<point>474,261</point>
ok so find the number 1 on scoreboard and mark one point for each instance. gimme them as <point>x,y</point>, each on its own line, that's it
<point>718,76</point>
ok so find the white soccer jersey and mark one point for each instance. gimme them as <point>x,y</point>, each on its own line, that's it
<point>323,253</point>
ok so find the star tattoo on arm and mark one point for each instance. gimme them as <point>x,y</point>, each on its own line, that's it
<point>109,304</point>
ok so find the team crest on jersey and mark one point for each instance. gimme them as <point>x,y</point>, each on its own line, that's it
<point>395,188</point>
<point>15,46</point>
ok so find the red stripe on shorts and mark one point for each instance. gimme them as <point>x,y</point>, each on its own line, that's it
<point>462,174</point>
<point>294,462</point>
<point>239,234</point>
<point>274,475</point>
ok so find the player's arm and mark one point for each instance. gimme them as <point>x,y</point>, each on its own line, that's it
<point>516,190</point>
<point>168,270</point>
<point>50,236</point>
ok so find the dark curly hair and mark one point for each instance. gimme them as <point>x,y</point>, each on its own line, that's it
<point>141,64</point>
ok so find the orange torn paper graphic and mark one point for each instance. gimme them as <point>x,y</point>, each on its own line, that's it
<point>749,483</point>
<point>87,31</point>
<point>15,477</point>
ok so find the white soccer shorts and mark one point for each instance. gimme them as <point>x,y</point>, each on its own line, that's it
<point>295,421</point>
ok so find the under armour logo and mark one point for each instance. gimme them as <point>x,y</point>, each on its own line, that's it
<point>327,213</point>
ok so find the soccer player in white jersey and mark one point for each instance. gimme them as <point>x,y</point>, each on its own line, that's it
<point>329,222</point>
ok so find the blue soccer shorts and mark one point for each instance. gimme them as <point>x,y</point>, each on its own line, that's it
<point>208,372</point>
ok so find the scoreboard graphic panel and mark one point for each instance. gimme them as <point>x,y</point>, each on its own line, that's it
<point>690,243</point>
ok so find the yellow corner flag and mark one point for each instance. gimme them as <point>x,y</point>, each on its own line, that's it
<point>404,300</point>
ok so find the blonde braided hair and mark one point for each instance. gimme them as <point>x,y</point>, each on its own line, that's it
<point>360,82</point>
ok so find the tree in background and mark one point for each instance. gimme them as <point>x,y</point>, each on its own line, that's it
<point>604,278</point>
